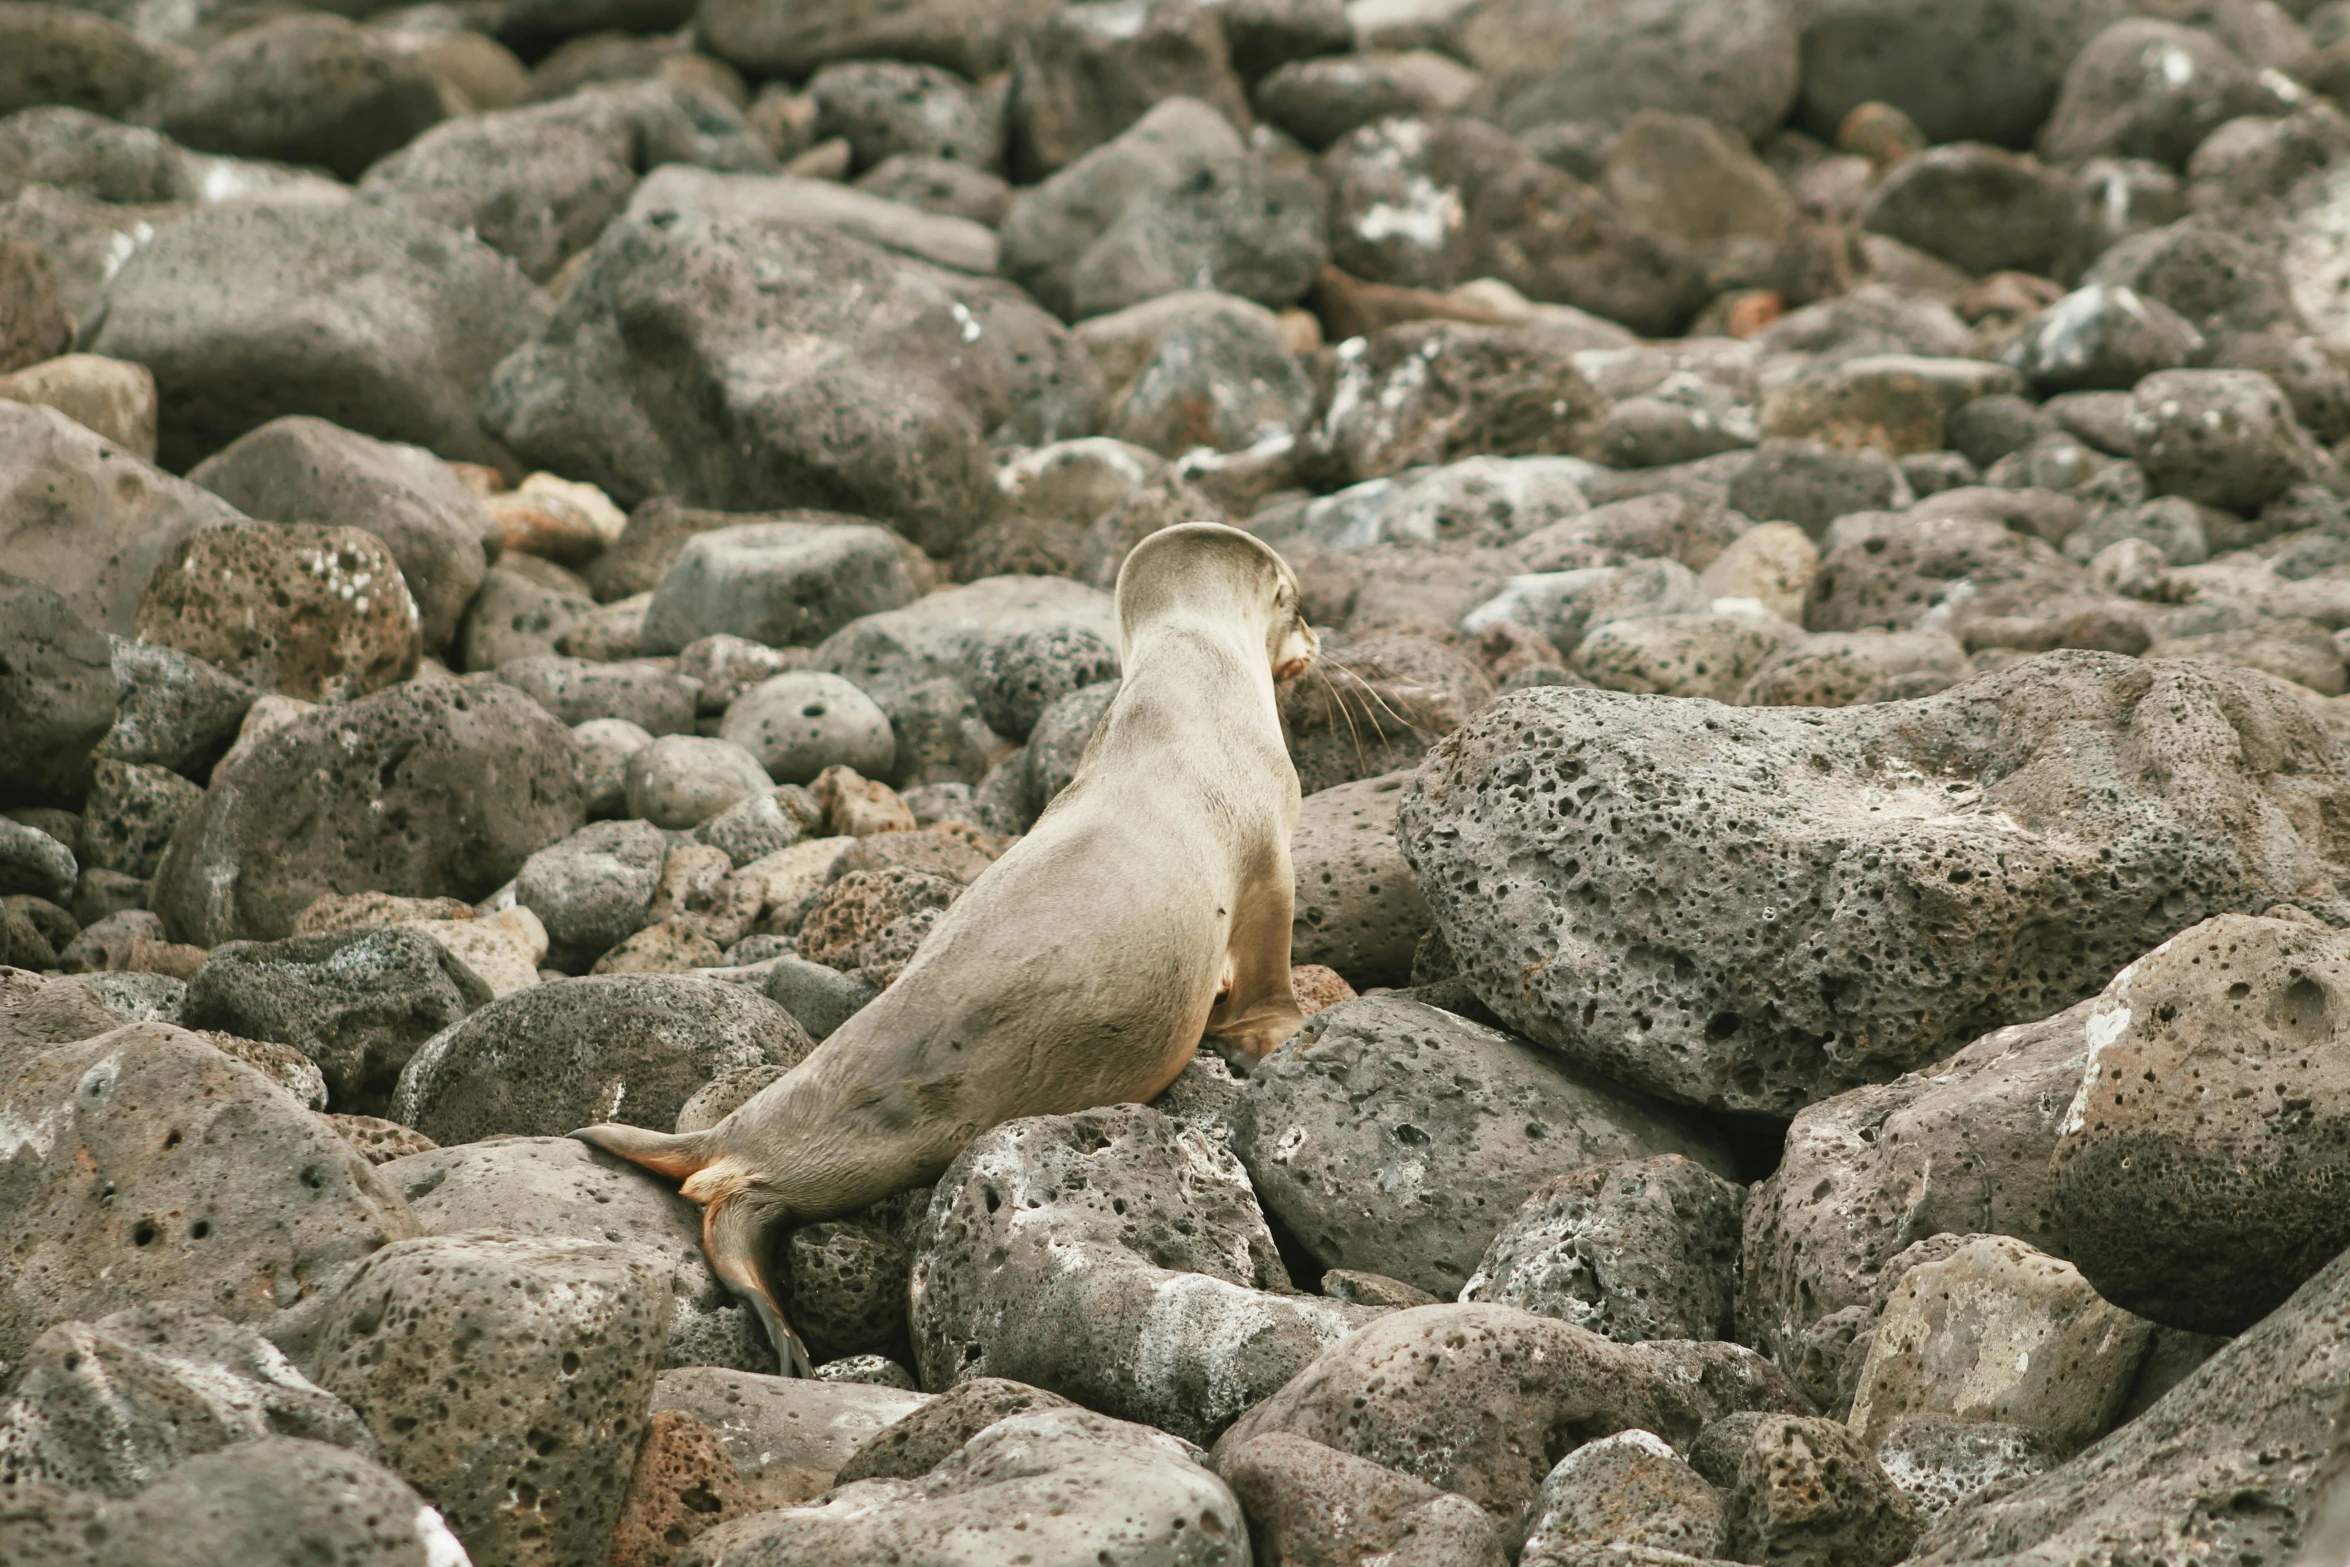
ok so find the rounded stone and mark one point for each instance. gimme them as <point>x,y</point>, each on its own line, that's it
<point>683,780</point>
<point>796,725</point>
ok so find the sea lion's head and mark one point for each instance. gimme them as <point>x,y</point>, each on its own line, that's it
<point>1206,568</point>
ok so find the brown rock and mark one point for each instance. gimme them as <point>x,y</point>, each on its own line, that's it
<point>1318,987</point>
<point>335,911</point>
<point>317,613</point>
<point>1809,1493</point>
<point>683,1484</point>
<point>848,916</point>
<point>1348,306</point>
<point>940,851</point>
<point>670,947</point>
<point>177,959</point>
<point>380,1141</point>
<point>34,323</point>
<point>855,806</point>
<point>699,890</point>
<point>920,1441</point>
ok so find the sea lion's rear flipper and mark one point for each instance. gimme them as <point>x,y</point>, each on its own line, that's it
<point>663,1153</point>
<point>737,1231</point>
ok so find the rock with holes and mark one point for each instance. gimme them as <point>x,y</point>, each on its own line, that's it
<point>617,1047</point>
<point>1637,1250</point>
<point>849,918</point>
<point>428,789</point>
<point>1181,1313</point>
<point>111,1405</point>
<point>509,1377</point>
<point>786,1431</point>
<point>1819,904</point>
<point>1997,1331</point>
<point>2199,1173</point>
<point>683,1485</point>
<point>799,724</point>
<point>1630,1489</point>
<point>848,1288</point>
<point>1314,1504</point>
<point>1961,1146</point>
<point>557,1187</point>
<point>1359,909</point>
<point>1393,1137</point>
<point>594,889</point>
<point>1941,1461</point>
<point>1702,654</point>
<point>1483,1401</point>
<point>1061,1485</point>
<point>356,1002</point>
<point>2232,1461</point>
<point>128,819</point>
<point>148,1167</point>
<point>1808,1492</point>
<point>318,613</point>
<point>1851,668</point>
<point>282,1501</point>
<point>1438,392</point>
<point>2224,438</point>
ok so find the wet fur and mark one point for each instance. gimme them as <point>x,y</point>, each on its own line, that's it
<point>1148,909</point>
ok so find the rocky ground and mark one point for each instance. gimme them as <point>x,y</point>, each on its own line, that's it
<point>542,542</point>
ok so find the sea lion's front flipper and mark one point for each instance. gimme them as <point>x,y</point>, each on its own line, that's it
<point>663,1153</point>
<point>736,1233</point>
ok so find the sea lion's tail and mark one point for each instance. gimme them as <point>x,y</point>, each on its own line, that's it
<point>677,1156</point>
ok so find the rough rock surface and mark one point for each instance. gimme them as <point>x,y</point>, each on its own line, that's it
<point>1841,912</point>
<point>1397,1138</point>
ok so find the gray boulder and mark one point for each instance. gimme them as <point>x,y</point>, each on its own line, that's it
<point>643,694</point>
<point>559,1187</point>
<point>172,709</point>
<point>783,583</point>
<point>1180,1313</point>
<point>300,469</point>
<point>427,789</point>
<point>127,820</point>
<point>1359,908</point>
<point>172,1174</point>
<point>593,889</point>
<point>521,1405</point>
<point>617,1047</point>
<point>1964,70</point>
<point>57,696</point>
<point>1392,1137</point>
<point>382,324</point>
<point>888,420</point>
<point>356,1002</point>
<point>1607,63</point>
<point>797,725</point>
<point>1841,913</point>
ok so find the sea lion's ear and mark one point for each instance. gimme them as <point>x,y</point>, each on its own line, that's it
<point>663,1153</point>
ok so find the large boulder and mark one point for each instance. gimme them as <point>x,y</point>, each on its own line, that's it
<point>1484,1400</point>
<point>1117,1257</point>
<point>2227,1465</point>
<point>57,697</point>
<point>161,1170</point>
<point>429,789</point>
<point>300,469</point>
<point>1392,1137</point>
<point>783,583</point>
<point>383,324</point>
<point>522,1401</point>
<point>852,379</point>
<point>1358,908</point>
<point>631,1048</point>
<point>1756,908</point>
<point>1735,64</point>
<point>86,518</point>
<point>2200,1172</point>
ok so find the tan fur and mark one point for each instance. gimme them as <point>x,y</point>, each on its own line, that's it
<point>1148,909</point>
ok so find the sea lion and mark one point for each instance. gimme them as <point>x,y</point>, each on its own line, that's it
<point>1148,908</point>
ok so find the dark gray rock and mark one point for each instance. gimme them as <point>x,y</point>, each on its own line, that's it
<point>1255,227</point>
<point>559,1187</point>
<point>1636,1250</point>
<point>1181,1312</point>
<point>381,324</point>
<point>518,615</point>
<point>172,709</point>
<point>2195,1177</point>
<point>172,1174</point>
<point>972,40</point>
<point>1811,485</point>
<point>2103,338</point>
<point>299,469</point>
<point>782,584</point>
<point>1395,1137</point>
<point>954,190</point>
<point>35,864</point>
<point>759,825</point>
<point>57,696</point>
<point>1431,393</point>
<point>890,421</point>
<point>510,1377</point>
<point>2218,279</point>
<point>1358,907</point>
<point>540,182</point>
<point>1319,100</point>
<point>357,1002</point>
<point>620,1047</point>
<point>1968,70</point>
<point>885,108</point>
<point>592,890</point>
<point>1978,208</point>
<point>307,89</point>
<point>1545,64</point>
<point>1059,740</point>
<point>428,789</point>
<point>847,1294</point>
<point>1823,846</point>
<point>821,998</point>
<point>2113,105</point>
<point>128,819</point>
<point>1482,1401</point>
<point>2223,438</point>
<point>110,1405</point>
<point>1088,71</point>
<point>61,55</point>
<point>1017,679</point>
